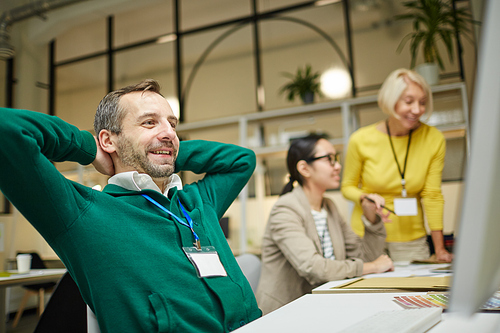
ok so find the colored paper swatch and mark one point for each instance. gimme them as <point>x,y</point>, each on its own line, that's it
<point>440,300</point>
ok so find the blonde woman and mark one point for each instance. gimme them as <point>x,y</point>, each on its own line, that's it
<point>398,162</point>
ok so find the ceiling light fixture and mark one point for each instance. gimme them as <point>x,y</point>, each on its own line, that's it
<point>166,39</point>
<point>325,2</point>
<point>335,83</point>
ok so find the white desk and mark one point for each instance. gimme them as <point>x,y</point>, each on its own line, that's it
<point>399,271</point>
<point>327,310</point>
<point>34,276</point>
<point>334,312</point>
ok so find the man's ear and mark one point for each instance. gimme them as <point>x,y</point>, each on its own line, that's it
<point>107,141</point>
<point>303,168</point>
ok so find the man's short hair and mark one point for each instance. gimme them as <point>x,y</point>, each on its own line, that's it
<point>394,86</point>
<point>110,113</point>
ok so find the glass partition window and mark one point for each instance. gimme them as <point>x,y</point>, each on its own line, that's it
<point>267,5</point>
<point>85,39</point>
<point>155,61</point>
<point>313,36</point>
<point>374,28</point>
<point>77,99</point>
<point>224,83</point>
<point>199,13</point>
<point>143,23</point>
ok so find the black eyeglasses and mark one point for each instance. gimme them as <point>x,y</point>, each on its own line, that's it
<point>332,158</point>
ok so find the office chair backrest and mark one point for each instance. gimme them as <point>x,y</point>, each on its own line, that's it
<point>250,266</point>
<point>92,325</point>
<point>65,311</point>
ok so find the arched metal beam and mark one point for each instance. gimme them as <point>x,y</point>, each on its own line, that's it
<point>202,58</point>
<point>322,34</point>
<point>240,25</point>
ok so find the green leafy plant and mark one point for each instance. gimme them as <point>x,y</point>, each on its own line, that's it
<point>434,21</point>
<point>302,83</point>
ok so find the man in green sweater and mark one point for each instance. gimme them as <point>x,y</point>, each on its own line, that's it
<point>148,254</point>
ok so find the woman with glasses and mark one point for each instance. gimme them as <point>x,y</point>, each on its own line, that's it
<point>398,163</point>
<point>307,242</point>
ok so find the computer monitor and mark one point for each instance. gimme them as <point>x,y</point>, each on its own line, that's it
<point>477,256</point>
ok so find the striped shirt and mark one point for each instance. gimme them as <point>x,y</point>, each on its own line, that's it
<point>323,233</point>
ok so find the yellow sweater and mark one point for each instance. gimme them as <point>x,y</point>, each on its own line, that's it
<point>370,168</point>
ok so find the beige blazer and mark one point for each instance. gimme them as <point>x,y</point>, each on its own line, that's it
<point>292,257</point>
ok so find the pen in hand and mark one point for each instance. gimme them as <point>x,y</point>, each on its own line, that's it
<point>371,200</point>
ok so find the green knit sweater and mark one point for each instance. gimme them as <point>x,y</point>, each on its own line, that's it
<point>124,253</point>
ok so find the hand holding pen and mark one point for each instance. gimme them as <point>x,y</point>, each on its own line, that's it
<point>370,210</point>
<point>382,206</point>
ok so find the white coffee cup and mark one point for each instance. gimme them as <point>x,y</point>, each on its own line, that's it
<point>23,263</point>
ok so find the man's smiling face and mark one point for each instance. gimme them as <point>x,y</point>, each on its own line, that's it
<point>148,142</point>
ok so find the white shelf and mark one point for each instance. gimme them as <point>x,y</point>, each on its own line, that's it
<point>343,107</point>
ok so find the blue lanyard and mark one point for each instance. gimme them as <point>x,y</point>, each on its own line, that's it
<point>186,215</point>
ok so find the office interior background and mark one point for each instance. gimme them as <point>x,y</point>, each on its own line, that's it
<point>220,64</point>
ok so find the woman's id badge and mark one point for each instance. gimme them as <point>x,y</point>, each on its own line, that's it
<point>205,260</point>
<point>405,206</point>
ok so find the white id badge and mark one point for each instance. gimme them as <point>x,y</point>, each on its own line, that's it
<point>405,206</point>
<point>206,261</point>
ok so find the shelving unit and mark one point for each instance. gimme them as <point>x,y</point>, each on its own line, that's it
<point>451,116</point>
<point>350,120</point>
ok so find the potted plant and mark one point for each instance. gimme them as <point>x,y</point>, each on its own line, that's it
<point>433,21</point>
<point>304,84</point>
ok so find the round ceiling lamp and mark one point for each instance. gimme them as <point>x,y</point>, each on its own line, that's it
<point>335,83</point>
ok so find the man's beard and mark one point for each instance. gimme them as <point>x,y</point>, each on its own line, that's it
<point>133,158</point>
